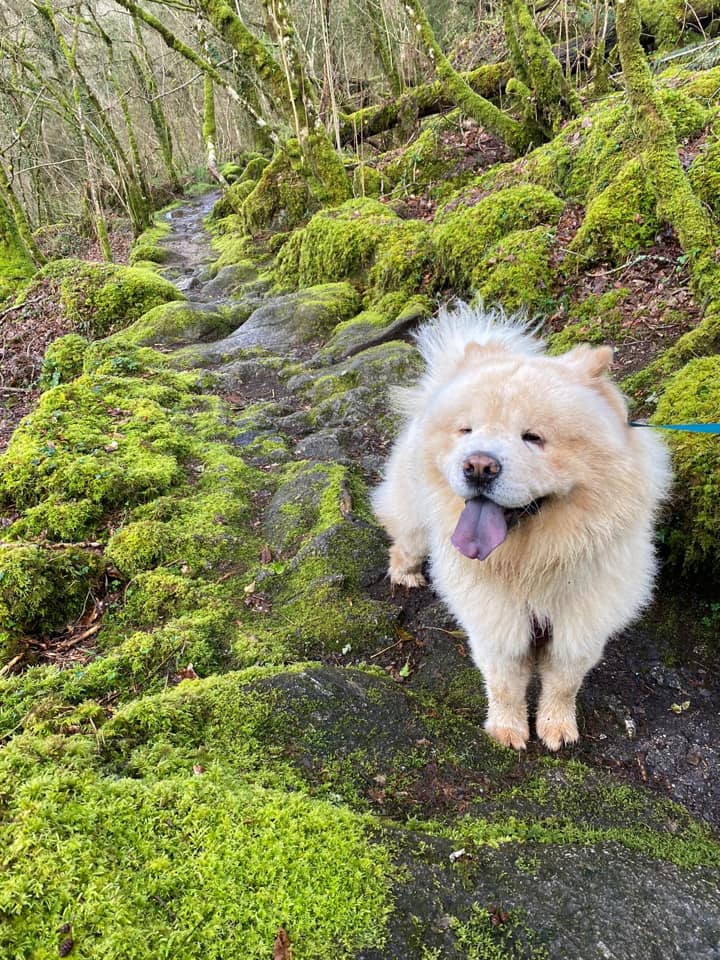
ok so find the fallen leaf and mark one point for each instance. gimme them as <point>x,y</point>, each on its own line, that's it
<point>198,769</point>
<point>281,948</point>
<point>265,555</point>
<point>188,673</point>
<point>112,446</point>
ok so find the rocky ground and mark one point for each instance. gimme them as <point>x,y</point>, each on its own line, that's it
<point>237,729</point>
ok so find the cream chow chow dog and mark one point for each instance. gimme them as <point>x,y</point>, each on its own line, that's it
<point>518,475</point>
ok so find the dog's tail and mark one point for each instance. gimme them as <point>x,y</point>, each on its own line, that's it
<point>443,341</point>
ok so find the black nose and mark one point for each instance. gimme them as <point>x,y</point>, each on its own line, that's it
<point>481,468</point>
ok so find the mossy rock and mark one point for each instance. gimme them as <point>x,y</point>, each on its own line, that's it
<point>405,262</point>
<point>596,319</point>
<point>63,360</point>
<point>99,298</point>
<point>692,395</point>
<point>618,221</point>
<point>281,199</point>
<point>42,590</point>
<point>337,244</point>
<point>516,272</point>
<point>175,323</point>
<point>147,247</point>
<point>464,236</point>
<point>287,322</point>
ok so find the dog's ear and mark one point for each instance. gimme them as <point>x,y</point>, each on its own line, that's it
<point>591,361</point>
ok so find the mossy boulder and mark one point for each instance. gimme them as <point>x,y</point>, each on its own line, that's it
<point>464,235</point>
<point>281,199</point>
<point>287,322</point>
<point>692,395</point>
<point>435,162</point>
<point>619,220</point>
<point>337,244</point>
<point>516,272</point>
<point>147,247</point>
<point>179,322</point>
<point>98,298</point>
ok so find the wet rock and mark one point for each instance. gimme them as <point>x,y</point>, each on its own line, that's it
<point>286,322</point>
<point>320,446</point>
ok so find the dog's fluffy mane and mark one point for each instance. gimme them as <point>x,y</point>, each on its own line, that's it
<point>442,343</point>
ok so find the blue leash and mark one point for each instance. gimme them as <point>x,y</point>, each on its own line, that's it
<point>689,427</point>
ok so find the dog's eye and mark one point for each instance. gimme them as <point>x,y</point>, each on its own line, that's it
<point>465,430</point>
<point>534,438</point>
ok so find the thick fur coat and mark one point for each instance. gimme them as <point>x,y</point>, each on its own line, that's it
<point>518,476</point>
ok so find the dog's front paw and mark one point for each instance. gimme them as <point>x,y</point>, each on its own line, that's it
<point>406,578</point>
<point>508,736</point>
<point>556,732</point>
<point>405,570</point>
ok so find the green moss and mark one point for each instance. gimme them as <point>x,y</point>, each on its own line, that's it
<point>368,181</point>
<point>516,271</point>
<point>704,175</point>
<point>231,171</point>
<point>254,167</point>
<point>281,199</point>
<point>568,803</point>
<point>434,162</point>
<point>464,235</point>
<point>42,589</point>
<point>404,262</point>
<point>664,21</point>
<point>646,385</point>
<point>177,322</point>
<point>337,244</point>
<point>64,521</point>
<point>147,246</point>
<point>206,866</point>
<point>98,298</point>
<point>692,395</point>
<point>481,937</point>
<point>63,360</point>
<point>620,220</point>
<point>597,320</point>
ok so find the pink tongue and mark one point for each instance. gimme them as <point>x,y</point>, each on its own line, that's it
<point>480,529</point>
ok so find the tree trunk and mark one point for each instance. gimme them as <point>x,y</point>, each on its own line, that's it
<point>513,134</point>
<point>149,86</point>
<point>422,101</point>
<point>676,202</point>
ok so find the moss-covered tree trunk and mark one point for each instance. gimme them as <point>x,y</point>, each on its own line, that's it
<point>22,224</point>
<point>209,132</point>
<point>539,82</point>
<point>512,133</point>
<point>422,101</point>
<point>16,262</point>
<point>676,202</point>
<point>290,89</point>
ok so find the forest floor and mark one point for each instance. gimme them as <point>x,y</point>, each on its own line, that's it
<point>408,746</point>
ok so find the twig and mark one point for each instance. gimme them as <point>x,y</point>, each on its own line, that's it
<point>385,649</point>
<point>84,545</point>
<point>12,663</point>
<point>17,389</point>
<point>90,632</point>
